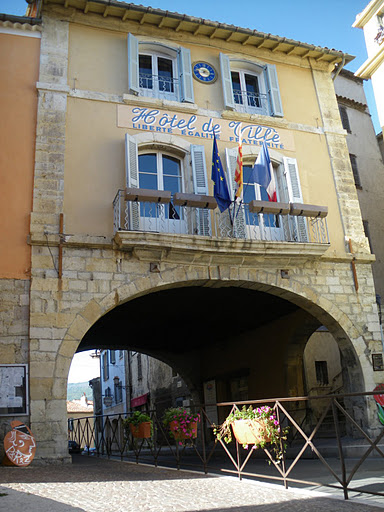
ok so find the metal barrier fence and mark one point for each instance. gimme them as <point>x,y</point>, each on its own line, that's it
<point>307,418</point>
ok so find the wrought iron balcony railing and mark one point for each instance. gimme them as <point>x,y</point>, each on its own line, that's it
<point>157,211</point>
<point>251,102</point>
<point>157,86</point>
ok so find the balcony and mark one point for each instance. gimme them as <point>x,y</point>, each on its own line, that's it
<point>251,102</point>
<point>158,86</point>
<point>157,211</point>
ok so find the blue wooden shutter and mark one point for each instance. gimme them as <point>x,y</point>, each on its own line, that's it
<point>299,224</point>
<point>200,184</point>
<point>132,179</point>
<point>133,64</point>
<point>273,91</point>
<point>226,81</point>
<point>185,73</point>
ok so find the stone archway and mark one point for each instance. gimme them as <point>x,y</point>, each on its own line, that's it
<point>320,310</point>
<point>293,291</point>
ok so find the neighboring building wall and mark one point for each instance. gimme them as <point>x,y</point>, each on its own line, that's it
<point>381,144</point>
<point>371,20</point>
<point>367,165</point>
<point>164,386</point>
<point>19,67</point>
<point>113,381</point>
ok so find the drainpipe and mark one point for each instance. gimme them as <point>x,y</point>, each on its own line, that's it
<point>339,68</point>
<point>378,302</point>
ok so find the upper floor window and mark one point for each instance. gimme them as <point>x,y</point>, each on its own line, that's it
<point>355,170</point>
<point>112,356</point>
<point>139,367</point>
<point>250,87</point>
<point>118,390</point>
<point>104,359</point>
<point>344,118</point>
<point>157,76</point>
<point>159,71</point>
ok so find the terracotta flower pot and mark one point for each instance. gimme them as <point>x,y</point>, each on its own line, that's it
<point>178,432</point>
<point>141,431</point>
<point>250,432</point>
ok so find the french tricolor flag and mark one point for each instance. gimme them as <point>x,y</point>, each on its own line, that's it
<point>263,173</point>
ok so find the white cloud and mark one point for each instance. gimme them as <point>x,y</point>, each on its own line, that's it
<point>84,367</point>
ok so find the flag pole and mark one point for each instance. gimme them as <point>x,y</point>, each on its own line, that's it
<point>238,181</point>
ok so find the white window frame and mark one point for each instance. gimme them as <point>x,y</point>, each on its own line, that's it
<point>149,223</point>
<point>244,106</point>
<point>156,91</point>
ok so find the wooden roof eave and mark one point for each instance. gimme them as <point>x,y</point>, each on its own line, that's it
<point>200,26</point>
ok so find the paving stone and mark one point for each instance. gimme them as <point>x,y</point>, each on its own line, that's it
<point>99,485</point>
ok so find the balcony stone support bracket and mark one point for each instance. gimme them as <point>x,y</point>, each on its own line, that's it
<point>190,249</point>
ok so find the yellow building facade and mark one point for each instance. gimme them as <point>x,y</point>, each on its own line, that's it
<point>129,250</point>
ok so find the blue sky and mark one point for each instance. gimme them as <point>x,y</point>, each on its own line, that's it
<point>325,23</point>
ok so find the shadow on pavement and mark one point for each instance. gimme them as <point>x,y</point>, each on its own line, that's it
<point>21,501</point>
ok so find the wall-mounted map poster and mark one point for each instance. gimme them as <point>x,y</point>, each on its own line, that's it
<point>13,389</point>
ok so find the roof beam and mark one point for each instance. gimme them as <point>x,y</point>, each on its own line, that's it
<point>197,31</point>
<point>229,38</point>
<point>291,50</point>
<point>275,48</point>
<point>143,18</point>
<point>162,21</point>
<point>125,15</point>
<point>179,26</point>
<point>105,13</point>
<point>214,33</point>
<point>260,44</point>
<point>306,54</point>
<point>246,40</point>
<point>86,8</point>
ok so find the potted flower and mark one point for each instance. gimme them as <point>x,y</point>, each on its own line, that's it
<point>182,424</point>
<point>139,425</point>
<point>258,427</point>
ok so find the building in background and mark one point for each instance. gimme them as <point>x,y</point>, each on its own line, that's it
<point>371,20</point>
<point>81,410</point>
<point>146,384</point>
<point>367,165</point>
<point>19,68</point>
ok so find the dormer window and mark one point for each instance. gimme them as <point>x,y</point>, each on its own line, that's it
<point>159,71</point>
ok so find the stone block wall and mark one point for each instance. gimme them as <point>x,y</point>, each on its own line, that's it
<point>14,334</point>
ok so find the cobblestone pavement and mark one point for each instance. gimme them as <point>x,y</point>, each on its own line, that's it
<point>97,485</point>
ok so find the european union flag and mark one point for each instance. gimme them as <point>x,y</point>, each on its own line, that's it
<point>220,190</point>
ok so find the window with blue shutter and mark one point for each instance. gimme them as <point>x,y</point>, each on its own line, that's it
<point>250,88</point>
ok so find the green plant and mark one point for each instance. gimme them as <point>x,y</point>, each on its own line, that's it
<point>184,423</point>
<point>272,432</point>
<point>135,420</point>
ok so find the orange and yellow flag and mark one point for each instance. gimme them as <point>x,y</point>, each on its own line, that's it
<point>239,174</point>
